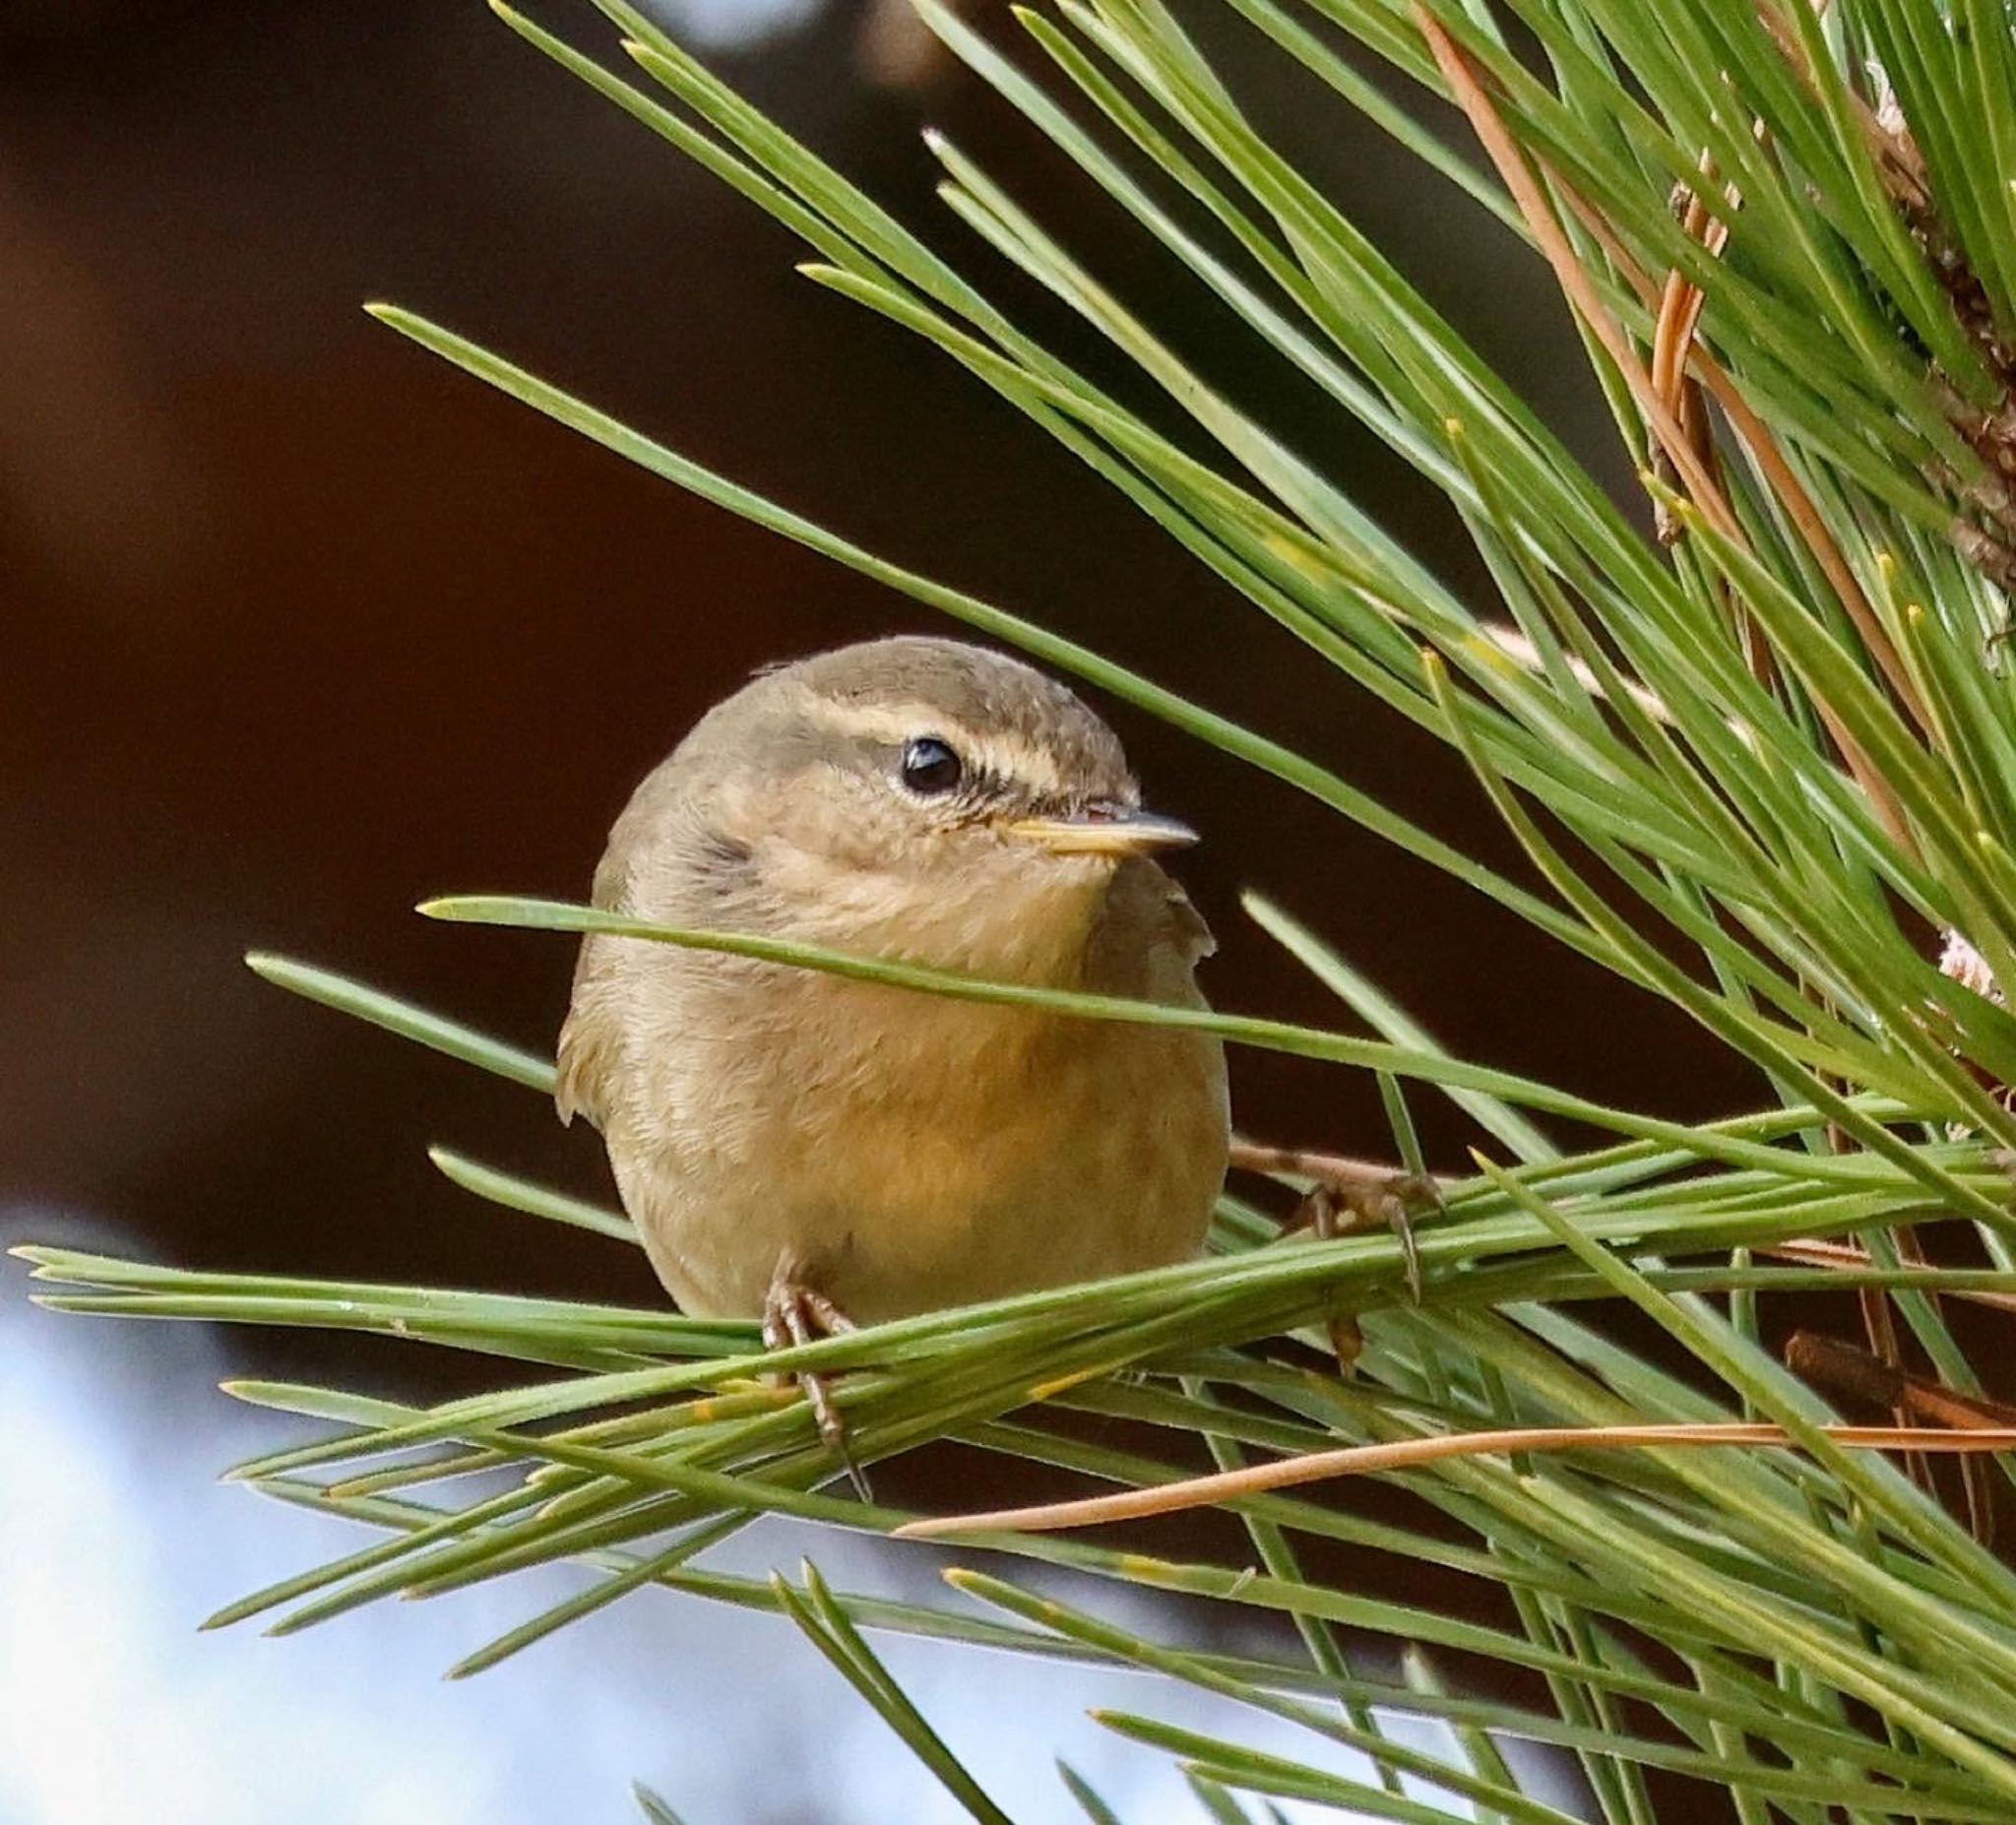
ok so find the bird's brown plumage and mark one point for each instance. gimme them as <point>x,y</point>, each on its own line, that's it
<point>897,1150</point>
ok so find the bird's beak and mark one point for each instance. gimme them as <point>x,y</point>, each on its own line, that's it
<point>1105,829</point>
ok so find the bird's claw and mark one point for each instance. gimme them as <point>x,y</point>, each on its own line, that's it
<point>1348,1197</point>
<point>796,1313</point>
<point>1349,1203</point>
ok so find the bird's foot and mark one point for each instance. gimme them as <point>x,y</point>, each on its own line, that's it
<point>796,1313</point>
<point>1348,1197</point>
<point>1381,1200</point>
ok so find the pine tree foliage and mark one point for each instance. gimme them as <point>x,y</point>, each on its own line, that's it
<point>1754,731</point>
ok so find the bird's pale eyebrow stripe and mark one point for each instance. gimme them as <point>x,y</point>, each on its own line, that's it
<point>1000,752</point>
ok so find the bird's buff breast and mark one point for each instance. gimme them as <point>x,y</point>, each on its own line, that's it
<point>908,1153</point>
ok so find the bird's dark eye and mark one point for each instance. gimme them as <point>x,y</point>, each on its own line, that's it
<point>929,766</point>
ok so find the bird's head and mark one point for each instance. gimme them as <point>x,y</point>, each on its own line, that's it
<point>918,797</point>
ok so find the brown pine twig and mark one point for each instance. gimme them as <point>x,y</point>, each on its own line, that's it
<point>1842,1370</point>
<point>1411,1453</point>
<point>1810,1252</point>
<point>1672,342</point>
<point>1672,334</point>
<point>1845,1369</point>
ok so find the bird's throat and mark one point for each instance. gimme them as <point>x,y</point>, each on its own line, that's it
<point>1028,924</point>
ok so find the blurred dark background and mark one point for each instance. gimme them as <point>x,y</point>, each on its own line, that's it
<point>300,625</point>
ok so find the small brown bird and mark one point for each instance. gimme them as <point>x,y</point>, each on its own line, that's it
<point>815,1149</point>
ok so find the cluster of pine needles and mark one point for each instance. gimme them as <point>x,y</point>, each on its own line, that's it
<point>1755,733</point>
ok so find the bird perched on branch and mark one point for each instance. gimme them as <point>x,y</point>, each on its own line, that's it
<point>820,1149</point>
<point>813,1149</point>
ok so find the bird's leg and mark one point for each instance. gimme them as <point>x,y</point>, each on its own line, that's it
<point>797,1313</point>
<point>1346,1196</point>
